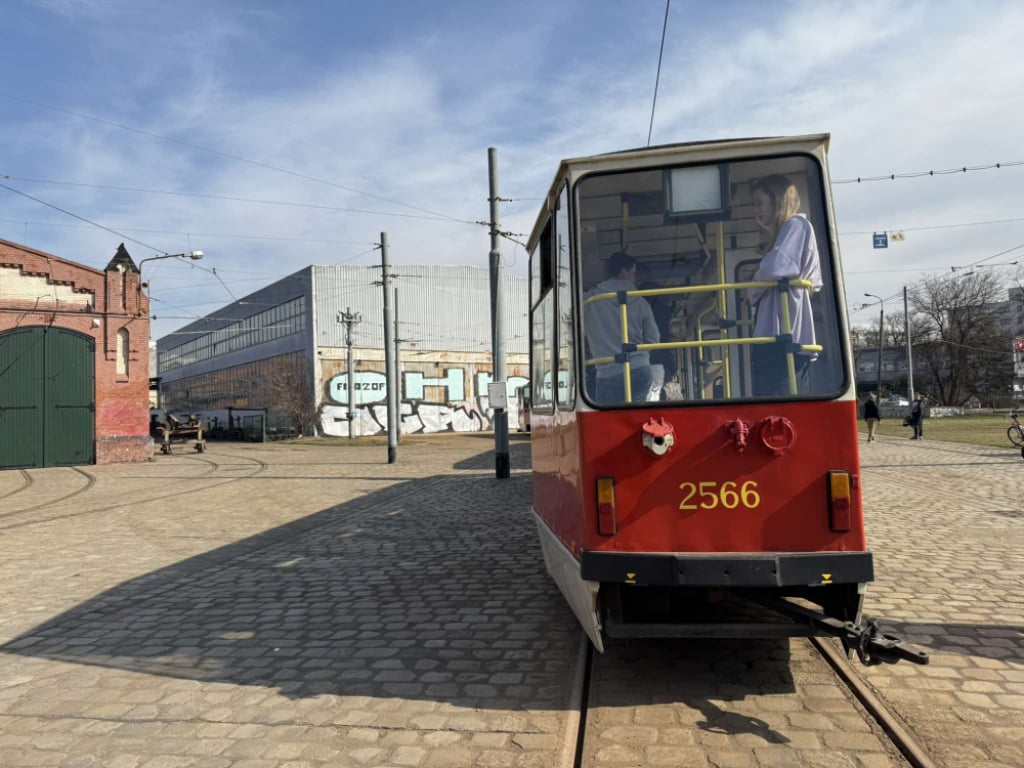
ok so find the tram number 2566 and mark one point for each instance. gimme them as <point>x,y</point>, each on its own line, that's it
<point>709,495</point>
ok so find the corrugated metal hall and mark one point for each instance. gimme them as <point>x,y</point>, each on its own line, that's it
<point>285,349</point>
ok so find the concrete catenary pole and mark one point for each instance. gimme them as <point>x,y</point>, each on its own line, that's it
<point>910,359</point>
<point>881,340</point>
<point>350,318</point>
<point>502,460</point>
<point>389,352</point>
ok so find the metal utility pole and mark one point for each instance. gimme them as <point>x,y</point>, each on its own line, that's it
<point>389,353</point>
<point>881,338</point>
<point>350,318</point>
<point>910,360</point>
<point>502,460</point>
<point>398,369</point>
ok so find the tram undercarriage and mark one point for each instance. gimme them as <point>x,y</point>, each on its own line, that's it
<point>626,610</point>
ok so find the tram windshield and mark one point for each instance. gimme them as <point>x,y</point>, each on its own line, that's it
<point>708,283</point>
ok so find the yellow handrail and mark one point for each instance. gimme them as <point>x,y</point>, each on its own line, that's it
<point>719,288</point>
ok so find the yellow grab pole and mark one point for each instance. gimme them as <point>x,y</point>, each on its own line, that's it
<point>722,308</point>
<point>624,318</point>
<point>788,331</point>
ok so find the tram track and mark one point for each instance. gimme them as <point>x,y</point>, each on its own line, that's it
<point>13,520</point>
<point>90,482</point>
<point>28,480</point>
<point>585,679</point>
<point>900,737</point>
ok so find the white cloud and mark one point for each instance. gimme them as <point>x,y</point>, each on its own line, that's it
<point>408,116</point>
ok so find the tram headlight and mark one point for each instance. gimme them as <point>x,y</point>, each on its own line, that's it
<point>658,436</point>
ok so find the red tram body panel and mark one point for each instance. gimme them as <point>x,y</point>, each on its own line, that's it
<point>658,499</point>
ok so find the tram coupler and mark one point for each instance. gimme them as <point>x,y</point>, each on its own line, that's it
<point>873,646</point>
<point>867,640</point>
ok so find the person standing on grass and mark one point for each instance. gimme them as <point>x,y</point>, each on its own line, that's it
<point>917,417</point>
<point>871,416</point>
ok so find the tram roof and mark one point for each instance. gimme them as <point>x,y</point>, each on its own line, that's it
<point>628,157</point>
<point>665,149</point>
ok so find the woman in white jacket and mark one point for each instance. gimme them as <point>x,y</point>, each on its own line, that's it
<point>792,252</point>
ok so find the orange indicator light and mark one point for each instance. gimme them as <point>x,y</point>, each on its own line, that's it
<point>840,504</point>
<point>607,522</point>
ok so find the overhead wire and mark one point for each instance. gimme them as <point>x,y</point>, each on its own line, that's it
<point>93,223</point>
<point>123,236</point>
<point>919,174</point>
<point>936,226</point>
<point>856,308</point>
<point>80,218</point>
<point>229,198</point>
<point>230,156</point>
<point>657,77</point>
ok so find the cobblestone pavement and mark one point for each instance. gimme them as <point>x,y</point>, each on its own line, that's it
<point>946,524</point>
<point>281,606</point>
<point>290,606</point>
<point>727,704</point>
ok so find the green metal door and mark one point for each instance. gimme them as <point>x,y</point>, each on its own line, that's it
<point>69,407</point>
<point>47,407</point>
<point>21,398</point>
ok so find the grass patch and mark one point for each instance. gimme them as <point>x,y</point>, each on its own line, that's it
<point>984,429</point>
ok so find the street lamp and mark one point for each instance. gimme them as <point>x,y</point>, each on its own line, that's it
<point>194,255</point>
<point>881,336</point>
<point>982,266</point>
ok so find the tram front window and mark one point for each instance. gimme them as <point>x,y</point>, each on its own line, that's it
<point>713,282</point>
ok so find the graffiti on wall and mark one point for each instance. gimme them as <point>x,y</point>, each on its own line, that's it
<point>416,414</point>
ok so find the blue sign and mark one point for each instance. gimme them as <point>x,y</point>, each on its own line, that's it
<point>881,240</point>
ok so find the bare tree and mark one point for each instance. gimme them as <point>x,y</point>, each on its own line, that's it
<point>860,339</point>
<point>290,392</point>
<point>964,349</point>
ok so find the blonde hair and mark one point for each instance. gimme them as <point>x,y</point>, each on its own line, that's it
<point>784,197</point>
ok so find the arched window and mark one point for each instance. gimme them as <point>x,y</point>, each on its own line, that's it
<point>122,352</point>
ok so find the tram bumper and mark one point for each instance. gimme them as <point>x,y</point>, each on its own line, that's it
<point>772,569</point>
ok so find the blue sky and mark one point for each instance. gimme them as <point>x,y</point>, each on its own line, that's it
<point>275,135</point>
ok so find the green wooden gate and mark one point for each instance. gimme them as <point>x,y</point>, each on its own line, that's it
<point>47,404</point>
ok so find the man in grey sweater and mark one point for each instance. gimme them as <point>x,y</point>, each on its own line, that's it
<point>602,321</point>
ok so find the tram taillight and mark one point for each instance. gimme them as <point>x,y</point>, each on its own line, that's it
<point>606,515</point>
<point>840,503</point>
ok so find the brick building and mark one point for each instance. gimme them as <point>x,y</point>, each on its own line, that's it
<point>74,368</point>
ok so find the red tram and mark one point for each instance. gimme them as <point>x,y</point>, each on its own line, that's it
<point>694,420</point>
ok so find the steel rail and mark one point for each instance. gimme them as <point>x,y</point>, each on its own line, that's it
<point>901,738</point>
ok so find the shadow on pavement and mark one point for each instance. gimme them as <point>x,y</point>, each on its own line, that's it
<point>989,641</point>
<point>432,589</point>
<point>714,678</point>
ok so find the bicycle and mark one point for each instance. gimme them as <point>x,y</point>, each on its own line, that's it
<point>1016,432</point>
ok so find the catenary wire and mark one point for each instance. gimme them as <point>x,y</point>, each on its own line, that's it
<point>229,156</point>
<point>657,77</point>
<point>80,218</point>
<point>919,174</point>
<point>230,198</point>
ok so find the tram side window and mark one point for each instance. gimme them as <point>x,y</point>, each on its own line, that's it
<point>542,323</point>
<point>566,349</point>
